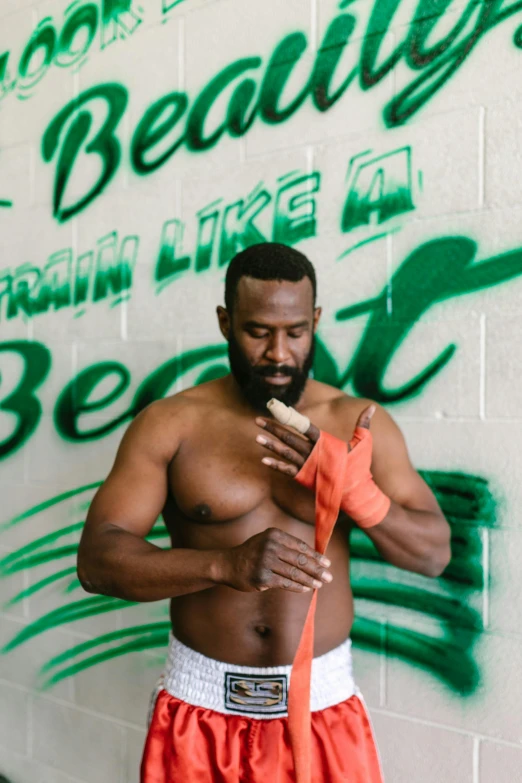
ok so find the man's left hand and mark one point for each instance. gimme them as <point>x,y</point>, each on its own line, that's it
<point>294,447</point>
<point>287,444</point>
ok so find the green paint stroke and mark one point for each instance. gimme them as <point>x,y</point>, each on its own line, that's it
<point>426,601</point>
<point>469,507</point>
<point>364,242</point>
<point>41,585</point>
<point>146,637</point>
<point>379,188</point>
<point>54,501</point>
<point>28,555</point>
<point>168,5</point>
<point>73,585</point>
<point>436,271</point>
<point>466,500</point>
<point>449,661</point>
<point>255,87</point>
<point>79,610</point>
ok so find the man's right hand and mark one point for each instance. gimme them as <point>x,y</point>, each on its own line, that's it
<point>274,559</point>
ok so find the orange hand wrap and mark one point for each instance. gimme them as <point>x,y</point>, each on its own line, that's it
<point>341,479</point>
<point>362,500</point>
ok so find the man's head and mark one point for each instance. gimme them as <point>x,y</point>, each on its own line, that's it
<point>270,321</point>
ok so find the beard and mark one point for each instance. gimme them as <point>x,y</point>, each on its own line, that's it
<point>251,380</point>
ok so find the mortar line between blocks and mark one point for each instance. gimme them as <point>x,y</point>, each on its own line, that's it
<point>383,665</point>
<point>74,358</point>
<point>124,322</point>
<point>74,238</point>
<point>30,330</point>
<point>76,83</point>
<point>30,730</point>
<point>485,571</point>
<point>124,756</point>
<point>453,729</point>
<point>242,151</point>
<point>482,389</point>
<point>476,760</point>
<point>310,159</point>
<point>46,767</point>
<point>314,11</point>
<point>482,157</point>
<point>74,707</point>
<point>25,601</point>
<point>181,57</point>
<point>25,458</point>
<point>32,174</point>
<point>389,274</point>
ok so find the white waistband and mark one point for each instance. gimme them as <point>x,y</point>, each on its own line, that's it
<point>254,691</point>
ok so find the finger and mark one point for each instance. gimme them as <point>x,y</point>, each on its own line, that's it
<point>296,440</point>
<point>283,583</point>
<point>301,547</point>
<point>294,574</point>
<point>292,439</point>
<point>310,566</point>
<point>366,417</point>
<point>281,450</point>
<point>270,581</point>
<point>313,433</point>
<point>282,467</point>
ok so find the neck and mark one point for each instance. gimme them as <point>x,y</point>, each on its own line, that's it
<point>238,398</point>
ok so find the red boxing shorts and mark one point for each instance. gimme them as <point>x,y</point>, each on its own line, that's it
<point>215,722</point>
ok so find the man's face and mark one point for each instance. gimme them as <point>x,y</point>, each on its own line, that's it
<point>271,339</point>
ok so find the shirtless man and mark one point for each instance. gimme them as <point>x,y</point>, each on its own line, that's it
<point>242,567</point>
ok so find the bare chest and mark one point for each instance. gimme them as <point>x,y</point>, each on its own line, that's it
<point>218,477</point>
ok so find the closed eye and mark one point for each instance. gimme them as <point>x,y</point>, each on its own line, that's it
<point>257,335</point>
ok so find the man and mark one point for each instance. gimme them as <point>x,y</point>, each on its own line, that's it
<point>242,569</point>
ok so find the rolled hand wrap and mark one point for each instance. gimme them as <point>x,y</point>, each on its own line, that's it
<point>340,479</point>
<point>362,500</point>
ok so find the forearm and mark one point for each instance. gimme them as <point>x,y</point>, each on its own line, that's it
<point>415,540</point>
<point>117,563</point>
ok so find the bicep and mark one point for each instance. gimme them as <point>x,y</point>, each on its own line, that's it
<point>392,469</point>
<point>134,494</point>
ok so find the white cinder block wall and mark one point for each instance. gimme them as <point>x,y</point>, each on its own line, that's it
<point>140,147</point>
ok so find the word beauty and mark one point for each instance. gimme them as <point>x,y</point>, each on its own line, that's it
<point>176,120</point>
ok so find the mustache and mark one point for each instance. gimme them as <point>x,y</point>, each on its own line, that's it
<point>282,369</point>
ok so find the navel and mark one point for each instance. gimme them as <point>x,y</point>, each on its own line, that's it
<point>262,630</point>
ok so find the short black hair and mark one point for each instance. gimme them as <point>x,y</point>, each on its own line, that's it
<point>267,261</point>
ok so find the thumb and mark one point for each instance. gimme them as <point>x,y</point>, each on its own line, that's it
<point>366,417</point>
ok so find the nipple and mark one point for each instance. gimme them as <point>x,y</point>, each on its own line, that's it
<point>203,511</point>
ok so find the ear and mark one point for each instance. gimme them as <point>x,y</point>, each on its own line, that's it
<point>317,317</point>
<point>224,321</point>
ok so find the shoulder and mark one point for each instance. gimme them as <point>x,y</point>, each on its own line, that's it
<point>173,418</point>
<point>334,403</point>
<point>343,411</point>
<point>382,423</point>
<point>160,428</point>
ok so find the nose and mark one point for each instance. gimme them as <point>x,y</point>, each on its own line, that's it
<point>277,351</point>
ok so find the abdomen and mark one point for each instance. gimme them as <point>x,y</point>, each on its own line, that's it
<point>263,629</point>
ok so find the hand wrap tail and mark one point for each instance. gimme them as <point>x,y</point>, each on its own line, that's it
<point>340,479</point>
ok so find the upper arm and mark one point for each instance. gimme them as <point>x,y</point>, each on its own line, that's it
<point>134,494</point>
<point>392,469</point>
